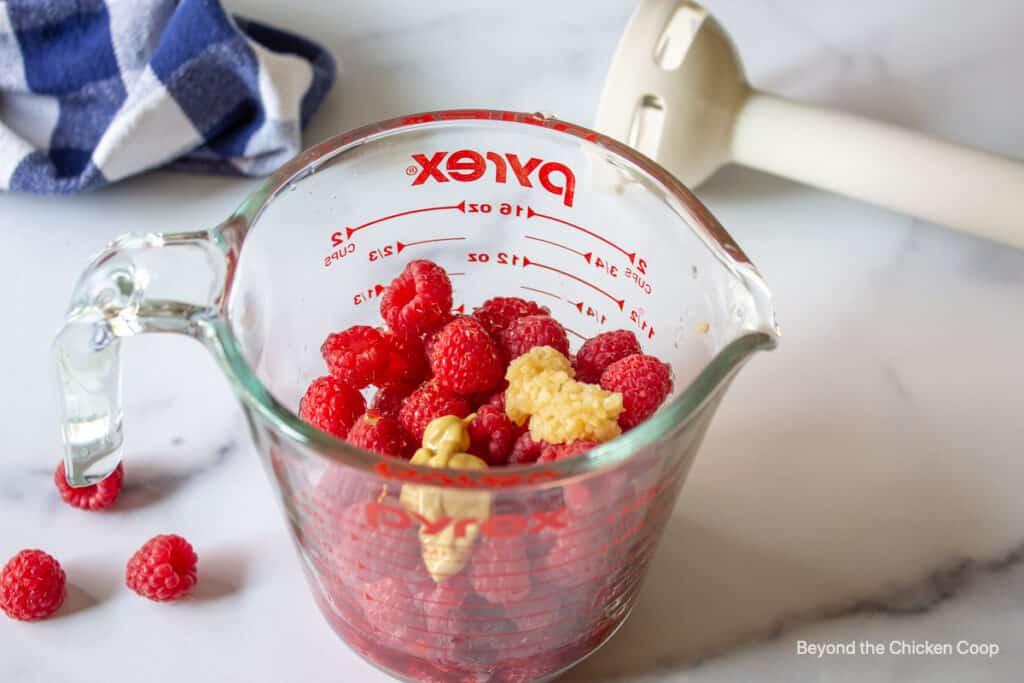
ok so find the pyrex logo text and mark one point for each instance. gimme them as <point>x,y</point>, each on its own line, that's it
<point>465,166</point>
<point>383,516</point>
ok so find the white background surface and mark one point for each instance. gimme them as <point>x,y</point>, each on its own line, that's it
<point>863,482</point>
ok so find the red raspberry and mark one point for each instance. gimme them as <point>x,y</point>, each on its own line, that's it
<point>389,398</point>
<point>392,611</point>
<point>357,356</point>
<point>534,330</point>
<point>381,434</point>
<point>498,313</point>
<point>428,402</point>
<point>562,451</point>
<point>465,359</point>
<point>419,300</point>
<point>364,553</point>
<point>96,497</point>
<point>537,615</point>
<point>597,353</point>
<point>597,492</point>
<point>331,406</point>
<point>576,559</point>
<point>501,571</point>
<point>407,363</point>
<point>440,600</point>
<point>495,397</point>
<point>525,450</point>
<point>163,569</point>
<point>476,634</point>
<point>32,586</point>
<point>644,382</point>
<point>492,435</point>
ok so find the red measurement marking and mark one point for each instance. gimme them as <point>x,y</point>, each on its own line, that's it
<point>621,303</point>
<point>631,255</point>
<point>574,333</point>
<point>539,291</point>
<point>560,246</point>
<point>403,245</point>
<point>461,206</point>
<point>588,311</point>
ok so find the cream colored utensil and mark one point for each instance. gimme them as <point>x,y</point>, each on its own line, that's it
<point>676,91</point>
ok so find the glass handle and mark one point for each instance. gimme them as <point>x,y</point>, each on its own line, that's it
<point>139,283</point>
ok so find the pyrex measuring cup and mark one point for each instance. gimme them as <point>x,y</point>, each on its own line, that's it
<point>532,567</point>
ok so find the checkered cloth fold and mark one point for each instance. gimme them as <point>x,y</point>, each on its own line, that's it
<point>92,91</point>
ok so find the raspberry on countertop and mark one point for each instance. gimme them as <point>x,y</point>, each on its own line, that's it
<point>96,497</point>
<point>163,569</point>
<point>32,586</point>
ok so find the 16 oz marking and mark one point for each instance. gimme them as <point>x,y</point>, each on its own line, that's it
<point>505,208</point>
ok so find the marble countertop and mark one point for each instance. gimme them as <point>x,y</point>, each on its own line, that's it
<point>863,483</point>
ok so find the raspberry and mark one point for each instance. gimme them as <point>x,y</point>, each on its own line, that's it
<point>525,450</point>
<point>536,616</point>
<point>32,586</point>
<point>407,364</point>
<point>596,493</point>
<point>391,610</point>
<point>419,300</point>
<point>364,553</point>
<point>429,401</point>
<point>597,353</point>
<point>475,634</point>
<point>163,569</point>
<point>465,359</point>
<point>492,435</point>
<point>498,313</point>
<point>525,333</point>
<point>557,452</point>
<point>96,497</point>
<point>643,381</point>
<point>380,434</point>
<point>576,559</point>
<point>389,398</point>
<point>495,397</point>
<point>331,406</point>
<point>501,571</point>
<point>357,356</point>
<point>440,600</point>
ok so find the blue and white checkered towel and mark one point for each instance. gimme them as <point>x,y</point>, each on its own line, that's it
<point>92,91</point>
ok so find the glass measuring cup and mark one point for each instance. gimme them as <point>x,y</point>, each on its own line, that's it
<point>533,567</point>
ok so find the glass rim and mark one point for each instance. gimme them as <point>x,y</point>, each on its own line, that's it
<point>677,413</point>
